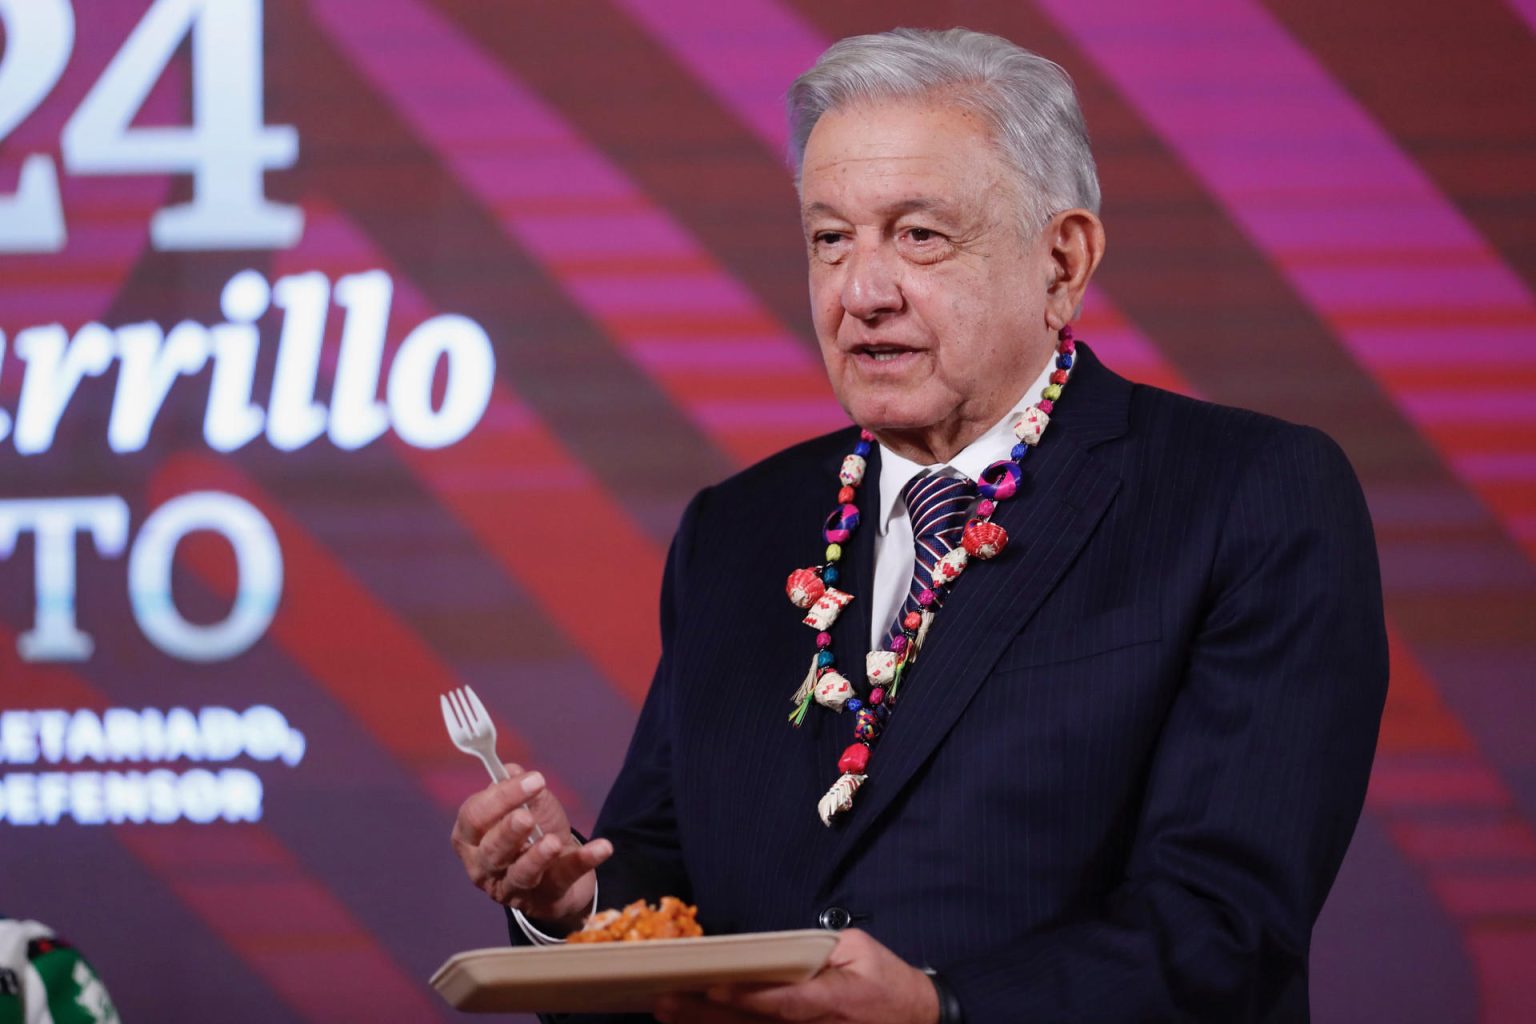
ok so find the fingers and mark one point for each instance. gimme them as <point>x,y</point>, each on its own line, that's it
<point>594,853</point>
<point>483,810</point>
<point>854,946</point>
<point>506,840</point>
<point>515,842</point>
<point>577,861</point>
<point>863,980</point>
<point>543,805</point>
<point>557,864</point>
<point>807,1001</point>
<point>527,871</point>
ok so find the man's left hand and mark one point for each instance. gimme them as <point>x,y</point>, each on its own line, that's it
<point>862,983</point>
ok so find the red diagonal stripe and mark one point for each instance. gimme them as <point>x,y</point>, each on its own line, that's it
<point>527,500</point>
<point>1263,128</point>
<point>657,314</point>
<point>328,624</point>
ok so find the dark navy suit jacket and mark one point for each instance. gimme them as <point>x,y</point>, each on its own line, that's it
<point>1122,775</point>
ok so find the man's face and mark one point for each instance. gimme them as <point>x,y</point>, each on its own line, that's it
<point>928,299</point>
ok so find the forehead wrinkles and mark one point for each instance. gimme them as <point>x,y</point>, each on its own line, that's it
<point>884,157</point>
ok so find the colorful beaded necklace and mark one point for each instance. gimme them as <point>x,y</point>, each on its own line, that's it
<point>813,589</point>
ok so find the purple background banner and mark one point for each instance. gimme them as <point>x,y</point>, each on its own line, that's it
<point>310,310</point>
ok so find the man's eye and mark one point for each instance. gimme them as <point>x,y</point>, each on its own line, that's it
<point>828,237</point>
<point>922,234</point>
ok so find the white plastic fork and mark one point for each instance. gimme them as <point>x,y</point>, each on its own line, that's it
<point>472,731</point>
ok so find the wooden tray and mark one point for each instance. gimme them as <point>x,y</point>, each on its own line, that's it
<point>610,977</point>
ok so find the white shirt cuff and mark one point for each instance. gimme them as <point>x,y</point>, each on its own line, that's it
<point>539,938</point>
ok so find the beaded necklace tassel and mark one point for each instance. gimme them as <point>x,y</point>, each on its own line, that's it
<point>812,589</point>
<point>802,696</point>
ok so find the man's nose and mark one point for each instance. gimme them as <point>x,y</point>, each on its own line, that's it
<point>871,287</point>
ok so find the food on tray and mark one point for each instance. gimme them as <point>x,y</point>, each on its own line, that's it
<point>674,919</point>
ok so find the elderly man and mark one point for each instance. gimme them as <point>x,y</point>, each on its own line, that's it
<point>1090,674</point>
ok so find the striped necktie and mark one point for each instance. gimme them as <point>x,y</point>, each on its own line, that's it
<point>939,507</point>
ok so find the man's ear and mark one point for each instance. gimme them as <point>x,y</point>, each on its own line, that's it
<point>1076,238</point>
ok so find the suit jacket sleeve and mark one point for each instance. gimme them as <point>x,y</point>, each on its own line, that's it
<point>1256,782</point>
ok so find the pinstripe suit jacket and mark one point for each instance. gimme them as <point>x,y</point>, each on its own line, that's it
<point>1125,770</point>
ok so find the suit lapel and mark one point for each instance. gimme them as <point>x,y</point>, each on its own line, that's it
<point>1066,491</point>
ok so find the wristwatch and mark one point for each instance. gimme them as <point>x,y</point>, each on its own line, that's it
<point>949,1005</point>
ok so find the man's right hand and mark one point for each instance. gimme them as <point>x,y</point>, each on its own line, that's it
<point>552,880</point>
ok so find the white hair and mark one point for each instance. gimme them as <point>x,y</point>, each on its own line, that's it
<point>1028,102</point>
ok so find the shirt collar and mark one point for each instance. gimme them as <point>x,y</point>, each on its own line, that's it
<point>993,445</point>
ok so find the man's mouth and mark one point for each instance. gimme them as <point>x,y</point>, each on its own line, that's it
<point>882,353</point>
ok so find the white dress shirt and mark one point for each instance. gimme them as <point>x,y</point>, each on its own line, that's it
<point>894,557</point>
